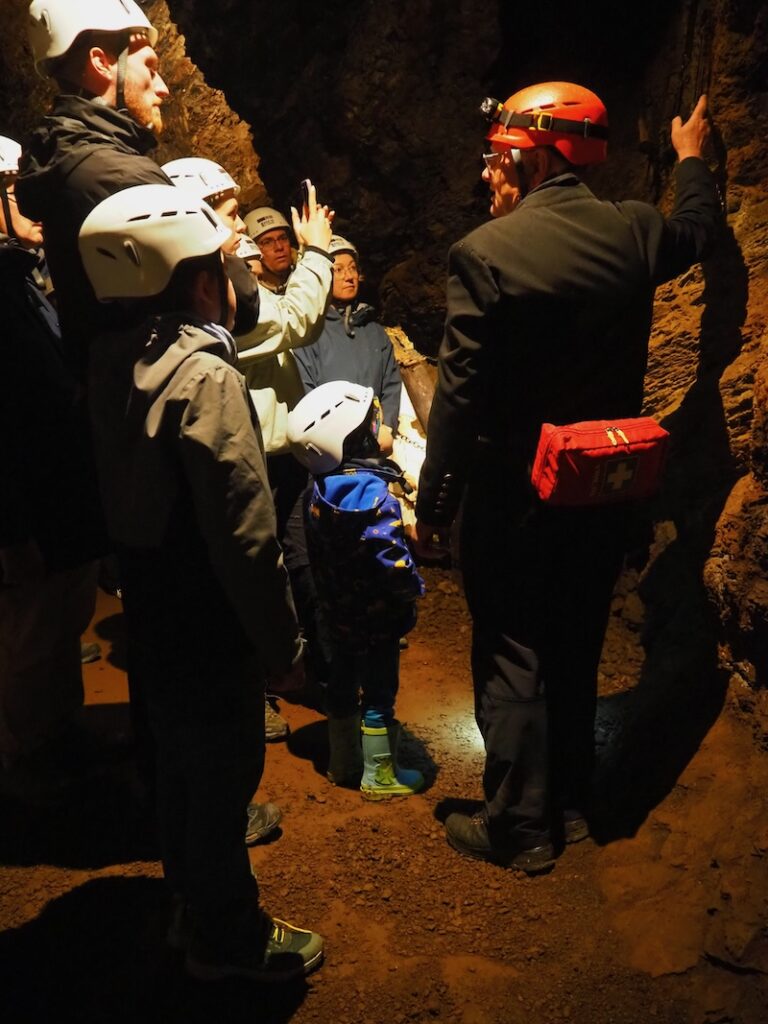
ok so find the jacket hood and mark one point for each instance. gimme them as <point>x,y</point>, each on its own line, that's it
<point>154,349</point>
<point>355,314</point>
<point>170,339</point>
<point>65,138</point>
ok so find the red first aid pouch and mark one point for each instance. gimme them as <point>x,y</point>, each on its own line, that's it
<point>598,462</point>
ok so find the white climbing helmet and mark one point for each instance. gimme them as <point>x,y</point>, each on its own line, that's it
<point>55,24</point>
<point>264,219</point>
<point>323,420</point>
<point>10,152</point>
<point>247,249</point>
<point>132,241</point>
<point>338,245</point>
<point>205,178</point>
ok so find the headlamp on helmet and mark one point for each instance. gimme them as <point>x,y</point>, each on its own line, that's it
<point>490,108</point>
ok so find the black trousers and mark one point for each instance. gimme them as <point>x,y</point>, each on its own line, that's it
<point>538,582</point>
<point>202,693</point>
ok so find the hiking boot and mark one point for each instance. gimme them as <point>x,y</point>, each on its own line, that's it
<point>291,953</point>
<point>575,826</point>
<point>263,819</point>
<point>89,652</point>
<point>468,834</point>
<point>382,777</point>
<point>275,726</point>
<point>345,754</point>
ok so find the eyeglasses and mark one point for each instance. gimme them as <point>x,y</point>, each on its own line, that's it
<point>272,243</point>
<point>490,159</point>
<point>349,269</point>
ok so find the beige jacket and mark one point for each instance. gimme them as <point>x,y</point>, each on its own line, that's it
<point>287,321</point>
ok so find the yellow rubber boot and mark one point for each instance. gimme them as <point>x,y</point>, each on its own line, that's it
<point>382,778</point>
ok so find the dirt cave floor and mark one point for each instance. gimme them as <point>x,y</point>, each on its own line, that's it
<point>661,918</point>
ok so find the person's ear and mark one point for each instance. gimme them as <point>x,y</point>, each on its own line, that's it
<point>540,165</point>
<point>99,71</point>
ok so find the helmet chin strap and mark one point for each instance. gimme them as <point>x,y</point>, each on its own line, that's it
<point>223,296</point>
<point>9,228</point>
<point>522,176</point>
<point>122,62</point>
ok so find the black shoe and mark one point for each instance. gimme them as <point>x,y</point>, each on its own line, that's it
<point>575,826</point>
<point>263,819</point>
<point>469,836</point>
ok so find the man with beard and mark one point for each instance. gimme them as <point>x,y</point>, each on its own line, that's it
<point>94,143</point>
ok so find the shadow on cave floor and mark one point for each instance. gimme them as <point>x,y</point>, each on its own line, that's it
<point>95,823</point>
<point>646,736</point>
<point>645,739</point>
<point>98,954</point>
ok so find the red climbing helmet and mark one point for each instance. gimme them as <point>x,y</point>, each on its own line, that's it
<point>560,114</point>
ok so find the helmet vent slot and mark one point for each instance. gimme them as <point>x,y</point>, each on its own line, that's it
<point>133,252</point>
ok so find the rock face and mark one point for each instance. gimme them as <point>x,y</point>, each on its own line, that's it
<point>377,103</point>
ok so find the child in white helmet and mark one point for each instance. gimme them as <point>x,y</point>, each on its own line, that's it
<point>366,581</point>
<point>205,593</point>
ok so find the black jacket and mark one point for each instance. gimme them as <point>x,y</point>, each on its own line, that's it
<point>549,315</point>
<point>82,152</point>
<point>48,487</point>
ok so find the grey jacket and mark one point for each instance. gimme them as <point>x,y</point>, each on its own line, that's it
<point>185,489</point>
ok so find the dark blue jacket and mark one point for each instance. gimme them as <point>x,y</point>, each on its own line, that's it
<point>354,347</point>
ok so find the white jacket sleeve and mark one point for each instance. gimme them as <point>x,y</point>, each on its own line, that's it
<point>293,319</point>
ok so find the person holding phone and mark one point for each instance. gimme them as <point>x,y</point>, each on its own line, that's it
<point>270,231</point>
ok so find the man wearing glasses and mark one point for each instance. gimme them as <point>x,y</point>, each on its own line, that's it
<point>269,230</point>
<point>549,313</point>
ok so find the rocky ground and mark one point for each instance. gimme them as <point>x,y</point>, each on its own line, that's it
<point>662,919</point>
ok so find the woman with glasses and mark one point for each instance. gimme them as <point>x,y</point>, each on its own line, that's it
<point>353,345</point>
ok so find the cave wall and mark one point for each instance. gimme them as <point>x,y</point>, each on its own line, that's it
<point>376,101</point>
